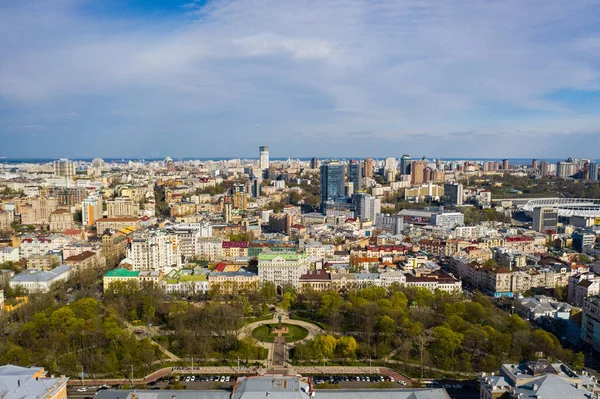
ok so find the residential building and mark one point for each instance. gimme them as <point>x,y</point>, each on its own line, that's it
<point>189,234</point>
<point>581,286</point>
<point>590,322</point>
<point>280,223</point>
<point>61,220</point>
<point>86,260</point>
<point>68,195</point>
<point>234,249</point>
<point>566,169</point>
<point>315,280</point>
<point>5,220</point>
<point>264,157</point>
<point>417,170</point>
<point>113,247</point>
<point>154,250</point>
<point>121,275</point>
<point>391,223</point>
<point>593,171</point>
<point>37,211</point>
<point>122,207</point>
<point>64,168</point>
<point>332,183</point>
<point>282,269</point>
<point>9,254</point>
<point>538,379</point>
<point>235,282</point>
<point>209,248</point>
<point>185,282</point>
<point>368,168</point>
<point>91,210</point>
<point>538,306</point>
<point>44,262</point>
<point>37,281</point>
<point>117,224</point>
<point>448,220</point>
<point>31,382</point>
<point>545,219</point>
<point>367,206</point>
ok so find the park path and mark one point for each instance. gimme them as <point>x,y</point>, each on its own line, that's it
<point>146,332</point>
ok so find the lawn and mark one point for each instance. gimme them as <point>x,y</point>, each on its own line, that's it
<point>295,333</point>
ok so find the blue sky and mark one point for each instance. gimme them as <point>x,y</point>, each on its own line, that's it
<point>510,78</point>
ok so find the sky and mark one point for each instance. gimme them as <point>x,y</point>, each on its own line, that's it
<point>347,78</point>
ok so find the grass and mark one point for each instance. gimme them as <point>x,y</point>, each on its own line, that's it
<point>259,318</point>
<point>318,323</point>
<point>295,333</point>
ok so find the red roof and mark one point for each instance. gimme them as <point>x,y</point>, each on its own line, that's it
<point>220,267</point>
<point>234,244</point>
<point>518,238</point>
<point>72,232</point>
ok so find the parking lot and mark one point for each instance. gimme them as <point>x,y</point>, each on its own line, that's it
<point>356,381</point>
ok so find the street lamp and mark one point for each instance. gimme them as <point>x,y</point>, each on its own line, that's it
<point>131,379</point>
<point>238,364</point>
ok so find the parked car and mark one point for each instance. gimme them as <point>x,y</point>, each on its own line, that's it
<point>82,390</point>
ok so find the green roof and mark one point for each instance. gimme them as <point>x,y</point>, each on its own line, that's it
<point>288,256</point>
<point>122,272</point>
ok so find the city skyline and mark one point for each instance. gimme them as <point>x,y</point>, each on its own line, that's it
<point>159,78</point>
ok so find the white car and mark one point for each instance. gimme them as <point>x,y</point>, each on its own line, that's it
<point>193,378</point>
<point>222,379</point>
<point>401,382</point>
<point>187,379</point>
<point>82,390</point>
<point>227,379</point>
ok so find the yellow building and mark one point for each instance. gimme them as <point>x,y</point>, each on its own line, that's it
<point>232,282</point>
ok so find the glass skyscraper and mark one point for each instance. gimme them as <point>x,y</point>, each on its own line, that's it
<point>332,183</point>
<point>355,174</point>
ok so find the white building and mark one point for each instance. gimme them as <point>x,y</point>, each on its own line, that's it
<point>36,281</point>
<point>367,207</point>
<point>91,210</point>
<point>264,157</point>
<point>9,254</point>
<point>189,235</point>
<point>391,223</point>
<point>448,219</point>
<point>282,268</point>
<point>154,250</point>
<point>209,248</point>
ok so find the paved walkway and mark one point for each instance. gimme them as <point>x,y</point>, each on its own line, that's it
<point>147,332</point>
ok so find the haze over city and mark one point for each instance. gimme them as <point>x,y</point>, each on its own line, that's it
<point>317,78</point>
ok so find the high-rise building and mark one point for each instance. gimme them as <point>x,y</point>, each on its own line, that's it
<point>545,168</point>
<point>593,171</point>
<point>566,168</point>
<point>122,207</point>
<point>416,171</point>
<point>256,187</point>
<point>427,174</point>
<point>505,164</point>
<point>390,169</point>
<point>170,165</point>
<point>332,183</point>
<point>227,209</point>
<point>91,210</point>
<point>264,157</point>
<point>454,193</point>
<point>314,163</point>
<point>368,167</point>
<point>355,174</point>
<point>534,164</point>
<point>154,250</point>
<point>64,168</point>
<point>545,219</point>
<point>367,206</point>
<point>405,164</point>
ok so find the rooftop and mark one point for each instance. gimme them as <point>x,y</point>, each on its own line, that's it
<point>122,272</point>
<point>40,276</point>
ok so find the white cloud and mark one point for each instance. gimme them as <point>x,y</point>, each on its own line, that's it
<point>395,68</point>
